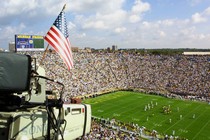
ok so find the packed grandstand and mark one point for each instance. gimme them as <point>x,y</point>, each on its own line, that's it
<point>96,73</point>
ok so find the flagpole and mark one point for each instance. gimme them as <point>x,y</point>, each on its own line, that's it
<point>64,7</point>
<point>44,55</point>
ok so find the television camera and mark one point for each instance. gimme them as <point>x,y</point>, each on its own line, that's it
<point>28,111</point>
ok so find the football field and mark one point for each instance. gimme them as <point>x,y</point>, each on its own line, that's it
<point>187,119</point>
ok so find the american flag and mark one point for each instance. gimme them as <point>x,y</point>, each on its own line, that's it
<point>57,37</point>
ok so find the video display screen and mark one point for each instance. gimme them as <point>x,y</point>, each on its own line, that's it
<point>29,43</point>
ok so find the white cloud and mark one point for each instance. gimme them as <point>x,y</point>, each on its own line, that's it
<point>82,35</point>
<point>134,18</point>
<point>120,29</point>
<point>16,7</point>
<point>7,33</point>
<point>187,31</point>
<point>113,18</point>
<point>103,21</point>
<point>167,22</point>
<point>8,30</point>
<point>95,24</point>
<point>91,6</point>
<point>110,14</point>
<point>146,24</point>
<point>201,36</point>
<point>32,7</point>
<point>201,17</point>
<point>140,7</point>
<point>71,25</point>
<point>198,18</point>
<point>137,10</point>
<point>207,11</point>
<point>162,33</point>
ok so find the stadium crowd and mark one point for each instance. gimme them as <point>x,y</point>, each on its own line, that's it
<point>98,72</point>
<point>102,131</point>
<point>95,73</point>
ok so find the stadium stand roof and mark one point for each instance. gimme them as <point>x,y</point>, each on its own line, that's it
<point>196,53</point>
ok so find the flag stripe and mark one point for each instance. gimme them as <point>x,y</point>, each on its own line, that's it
<point>63,43</point>
<point>63,39</point>
<point>57,50</point>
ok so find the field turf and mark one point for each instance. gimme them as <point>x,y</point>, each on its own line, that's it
<point>187,119</point>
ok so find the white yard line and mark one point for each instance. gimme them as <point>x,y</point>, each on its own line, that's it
<point>201,130</point>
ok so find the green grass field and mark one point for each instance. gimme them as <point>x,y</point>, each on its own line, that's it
<point>187,119</point>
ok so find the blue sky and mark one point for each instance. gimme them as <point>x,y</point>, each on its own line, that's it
<point>103,23</point>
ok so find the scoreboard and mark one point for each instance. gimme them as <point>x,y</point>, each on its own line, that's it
<point>29,43</point>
